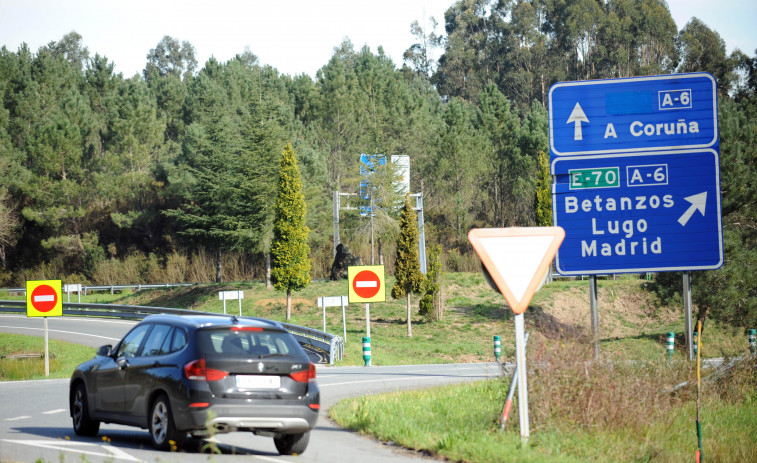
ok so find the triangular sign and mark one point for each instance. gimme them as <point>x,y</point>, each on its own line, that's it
<point>517,259</point>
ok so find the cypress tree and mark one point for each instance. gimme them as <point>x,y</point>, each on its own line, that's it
<point>290,266</point>
<point>407,270</point>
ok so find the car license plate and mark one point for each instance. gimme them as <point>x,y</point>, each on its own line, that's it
<point>258,381</point>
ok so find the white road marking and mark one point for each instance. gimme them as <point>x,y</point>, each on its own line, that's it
<point>61,331</point>
<point>51,412</point>
<point>106,451</point>
<point>17,418</point>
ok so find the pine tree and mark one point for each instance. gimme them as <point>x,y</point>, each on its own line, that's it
<point>290,267</point>
<point>407,270</point>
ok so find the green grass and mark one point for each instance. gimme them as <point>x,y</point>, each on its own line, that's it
<point>460,422</point>
<point>63,357</point>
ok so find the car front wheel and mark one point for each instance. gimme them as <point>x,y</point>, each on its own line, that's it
<point>292,444</point>
<point>163,431</point>
<point>83,424</point>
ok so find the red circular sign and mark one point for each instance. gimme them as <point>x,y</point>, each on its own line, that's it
<point>366,284</point>
<point>44,298</point>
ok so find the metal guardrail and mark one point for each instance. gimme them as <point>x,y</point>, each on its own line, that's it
<point>330,343</point>
<point>112,288</point>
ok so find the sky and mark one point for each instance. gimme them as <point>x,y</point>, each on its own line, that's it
<point>294,36</point>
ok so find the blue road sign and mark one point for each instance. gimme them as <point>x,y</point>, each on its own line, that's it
<point>641,212</point>
<point>632,115</point>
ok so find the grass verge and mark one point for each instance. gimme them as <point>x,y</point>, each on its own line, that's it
<point>579,411</point>
<point>64,357</point>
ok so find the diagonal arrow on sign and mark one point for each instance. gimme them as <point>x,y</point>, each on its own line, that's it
<point>517,259</point>
<point>698,203</point>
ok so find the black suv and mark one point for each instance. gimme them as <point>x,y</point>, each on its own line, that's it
<point>199,375</point>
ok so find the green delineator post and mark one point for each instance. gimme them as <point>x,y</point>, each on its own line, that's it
<point>671,343</point>
<point>753,341</point>
<point>497,347</point>
<point>695,343</point>
<point>367,351</point>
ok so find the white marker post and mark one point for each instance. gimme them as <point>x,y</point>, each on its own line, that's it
<point>517,260</point>
<point>334,301</point>
<point>231,295</point>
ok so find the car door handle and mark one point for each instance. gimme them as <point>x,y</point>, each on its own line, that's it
<point>122,363</point>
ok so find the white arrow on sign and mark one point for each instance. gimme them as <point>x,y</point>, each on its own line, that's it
<point>577,116</point>
<point>698,203</point>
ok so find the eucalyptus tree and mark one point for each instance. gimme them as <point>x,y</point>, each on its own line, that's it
<point>699,48</point>
<point>420,55</point>
<point>464,68</point>
<point>171,57</point>
<point>71,49</point>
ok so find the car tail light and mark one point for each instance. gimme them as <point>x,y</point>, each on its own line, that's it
<point>197,370</point>
<point>304,376</point>
<point>246,328</point>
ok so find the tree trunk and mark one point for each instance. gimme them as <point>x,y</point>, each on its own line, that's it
<point>409,320</point>
<point>289,304</point>
<point>268,270</point>
<point>218,265</point>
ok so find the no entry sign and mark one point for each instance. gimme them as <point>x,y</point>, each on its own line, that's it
<point>43,298</point>
<point>366,283</point>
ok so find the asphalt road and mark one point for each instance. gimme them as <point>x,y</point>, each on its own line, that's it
<point>34,420</point>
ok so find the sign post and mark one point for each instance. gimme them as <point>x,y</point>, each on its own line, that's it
<point>366,283</point>
<point>517,260</point>
<point>636,176</point>
<point>44,299</point>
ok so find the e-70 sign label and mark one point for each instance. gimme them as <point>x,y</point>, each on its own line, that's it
<point>598,177</point>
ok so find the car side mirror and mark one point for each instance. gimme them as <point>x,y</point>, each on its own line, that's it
<point>104,350</point>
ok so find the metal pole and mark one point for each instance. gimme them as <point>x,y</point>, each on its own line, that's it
<point>371,219</point>
<point>510,394</point>
<point>335,201</point>
<point>368,320</point>
<point>323,306</point>
<point>344,321</point>
<point>687,313</point>
<point>47,352</point>
<point>421,232</point>
<point>240,295</point>
<point>594,314</point>
<point>520,364</point>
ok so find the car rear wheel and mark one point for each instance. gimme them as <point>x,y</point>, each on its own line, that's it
<point>292,444</point>
<point>163,431</point>
<point>83,424</point>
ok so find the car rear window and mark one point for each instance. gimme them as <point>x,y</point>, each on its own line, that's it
<point>236,341</point>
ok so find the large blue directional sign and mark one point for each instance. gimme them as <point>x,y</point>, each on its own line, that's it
<point>636,174</point>
<point>648,212</point>
<point>632,115</point>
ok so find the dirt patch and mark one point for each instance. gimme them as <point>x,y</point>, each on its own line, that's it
<point>624,309</point>
<point>283,301</point>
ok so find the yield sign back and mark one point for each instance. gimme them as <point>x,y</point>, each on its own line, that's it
<point>517,259</point>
